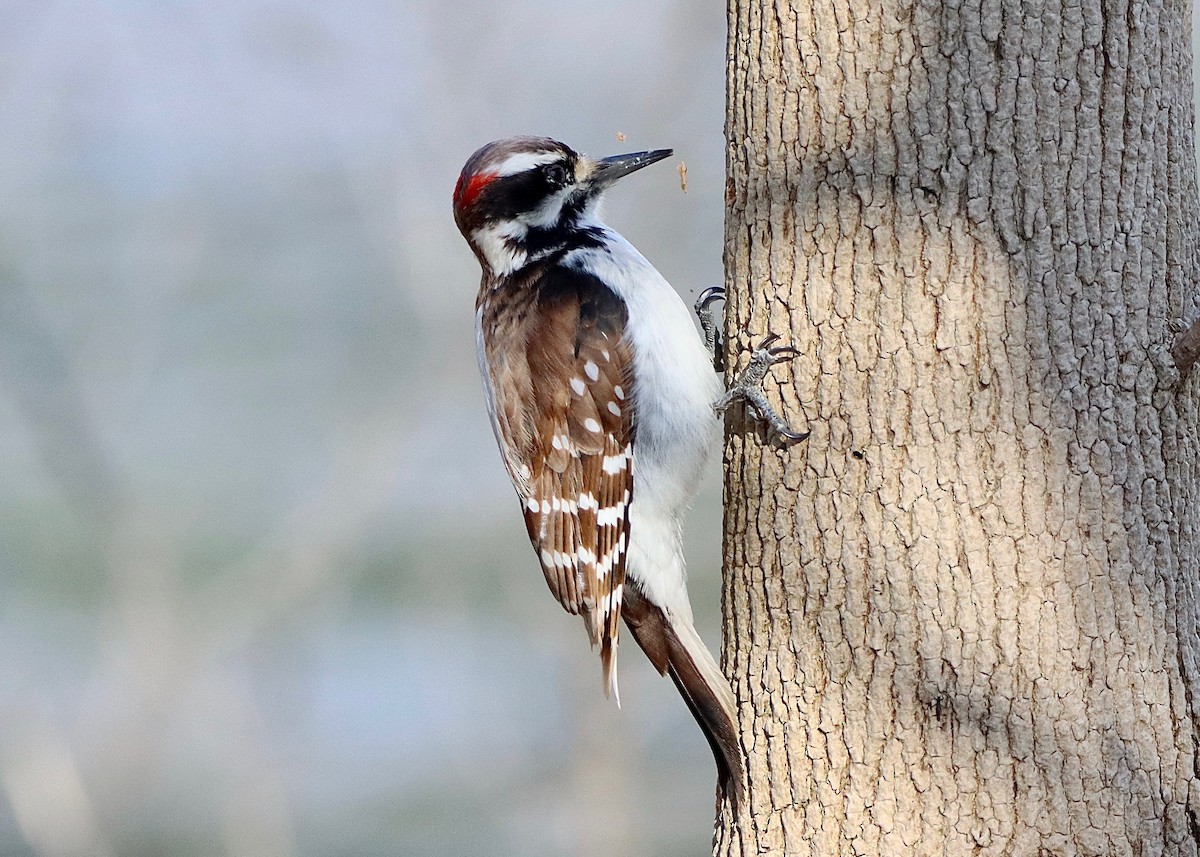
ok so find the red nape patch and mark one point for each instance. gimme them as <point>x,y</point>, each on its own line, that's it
<point>466,191</point>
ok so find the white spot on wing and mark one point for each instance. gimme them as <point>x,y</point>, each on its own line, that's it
<point>613,464</point>
<point>591,370</point>
<point>578,386</point>
<point>591,425</point>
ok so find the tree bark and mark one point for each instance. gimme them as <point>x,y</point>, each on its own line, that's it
<point>962,617</point>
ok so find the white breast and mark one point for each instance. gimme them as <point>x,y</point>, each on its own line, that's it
<point>674,382</point>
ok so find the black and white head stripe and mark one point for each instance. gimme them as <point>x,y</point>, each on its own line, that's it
<point>520,162</point>
<point>520,200</point>
<point>511,167</point>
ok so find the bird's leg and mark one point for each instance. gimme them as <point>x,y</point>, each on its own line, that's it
<point>747,387</point>
<point>713,339</point>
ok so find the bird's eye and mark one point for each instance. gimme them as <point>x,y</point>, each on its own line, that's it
<point>556,174</point>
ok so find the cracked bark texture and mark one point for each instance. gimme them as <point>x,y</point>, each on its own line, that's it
<point>961,619</point>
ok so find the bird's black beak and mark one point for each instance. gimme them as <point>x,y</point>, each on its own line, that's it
<point>609,169</point>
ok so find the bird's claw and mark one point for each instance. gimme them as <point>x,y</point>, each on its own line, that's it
<point>793,436</point>
<point>712,293</point>
<point>748,387</point>
<point>713,340</point>
<point>779,353</point>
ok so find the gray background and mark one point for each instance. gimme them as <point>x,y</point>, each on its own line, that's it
<point>264,588</point>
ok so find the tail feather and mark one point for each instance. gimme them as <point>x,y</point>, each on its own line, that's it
<point>608,662</point>
<point>675,648</point>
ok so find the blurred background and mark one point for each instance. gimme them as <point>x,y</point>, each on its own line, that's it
<point>264,587</point>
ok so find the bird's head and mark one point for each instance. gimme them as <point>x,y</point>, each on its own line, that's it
<point>519,199</point>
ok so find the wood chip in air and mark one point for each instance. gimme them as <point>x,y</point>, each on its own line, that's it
<point>682,176</point>
<point>620,136</point>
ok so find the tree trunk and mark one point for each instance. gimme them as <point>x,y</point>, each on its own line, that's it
<point>962,617</point>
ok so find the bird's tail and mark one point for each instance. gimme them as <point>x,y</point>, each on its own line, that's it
<point>673,646</point>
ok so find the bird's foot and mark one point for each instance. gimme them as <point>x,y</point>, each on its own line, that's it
<point>713,339</point>
<point>747,387</point>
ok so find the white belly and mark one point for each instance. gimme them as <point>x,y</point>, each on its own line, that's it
<point>674,390</point>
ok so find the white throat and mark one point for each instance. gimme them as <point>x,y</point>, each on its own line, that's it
<point>503,245</point>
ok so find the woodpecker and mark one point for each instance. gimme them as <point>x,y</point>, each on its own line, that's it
<point>601,395</point>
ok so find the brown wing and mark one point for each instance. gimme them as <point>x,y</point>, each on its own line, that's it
<point>560,378</point>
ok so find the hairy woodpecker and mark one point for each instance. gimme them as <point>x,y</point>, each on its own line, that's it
<point>601,395</point>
